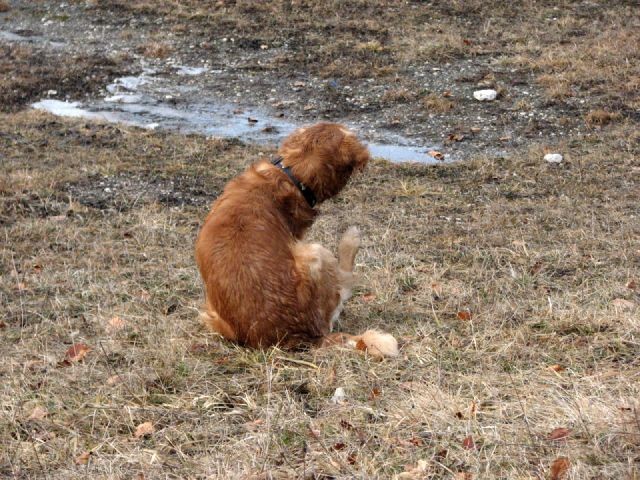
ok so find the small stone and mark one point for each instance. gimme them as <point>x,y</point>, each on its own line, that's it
<point>339,396</point>
<point>485,95</point>
<point>553,158</point>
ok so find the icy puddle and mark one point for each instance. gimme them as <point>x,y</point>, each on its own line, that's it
<point>132,101</point>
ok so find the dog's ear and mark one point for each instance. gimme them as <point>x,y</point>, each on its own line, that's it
<point>354,155</point>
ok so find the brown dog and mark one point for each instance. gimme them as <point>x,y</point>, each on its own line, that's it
<point>264,285</point>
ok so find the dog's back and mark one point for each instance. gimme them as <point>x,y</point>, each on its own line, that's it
<point>244,253</point>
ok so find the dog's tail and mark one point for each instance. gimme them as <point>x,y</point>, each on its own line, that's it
<point>376,343</point>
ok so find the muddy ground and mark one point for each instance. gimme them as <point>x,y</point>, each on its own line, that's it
<point>390,68</point>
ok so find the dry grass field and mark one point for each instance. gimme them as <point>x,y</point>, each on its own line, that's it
<point>512,284</point>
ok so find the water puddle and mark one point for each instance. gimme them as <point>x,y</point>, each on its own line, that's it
<point>28,37</point>
<point>144,102</point>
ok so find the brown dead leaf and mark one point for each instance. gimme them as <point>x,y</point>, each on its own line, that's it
<point>254,425</point>
<point>38,413</point>
<point>116,324</point>
<point>375,392</point>
<point>464,315</point>
<point>632,285</point>
<point>468,443</point>
<point>77,352</point>
<point>623,304</point>
<point>556,368</point>
<point>2,324</point>
<point>455,137</point>
<point>83,458</point>
<point>21,286</point>
<point>559,433</point>
<point>114,380</point>
<point>368,297</point>
<point>464,476</point>
<point>559,468</point>
<point>339,446</point>
<point>536,267</point>
<point>436,154</point>
<point>144,430</point>
<point>441,454</point>
<point>346,425</point>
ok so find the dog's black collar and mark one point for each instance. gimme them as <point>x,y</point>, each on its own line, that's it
<point>306,191</point>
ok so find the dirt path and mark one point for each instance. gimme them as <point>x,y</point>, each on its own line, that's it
<point>406,71</point>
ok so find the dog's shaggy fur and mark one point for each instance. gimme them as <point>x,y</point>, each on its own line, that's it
<point>264,285</point>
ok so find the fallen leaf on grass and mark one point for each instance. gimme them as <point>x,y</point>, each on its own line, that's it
<point>114,380</point>
<point>463,476</point>
<point>464,315</point>
<point>368,297</point>
<point>556,368</point>
<point>254,425</point>
<point>2,324</point>
<point>632,285</point>
<point>559,468</point>
<point>144,429</point>
<point>38,413</point>
<point>455,137</point>
<point>468,443</point>
<point>375,392</point>
<point>436,154</point>
<point>75,353</point>
<point>346,425</point>
<point>115,324</point>
<point>559,434</point>
<point>623,304</point>
<point>414,472</point>
<point>83,458</point>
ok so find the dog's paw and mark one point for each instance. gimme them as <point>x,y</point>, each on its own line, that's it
<point>352,237</point>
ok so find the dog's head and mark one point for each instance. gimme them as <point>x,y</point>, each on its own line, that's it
<point>323,157</point>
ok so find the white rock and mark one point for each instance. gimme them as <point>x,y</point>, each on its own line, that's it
<point>485,95</point>
<point>553,158</point>
<point>339,396</point>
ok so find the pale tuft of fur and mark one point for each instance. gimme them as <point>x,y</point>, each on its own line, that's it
<point>380,344</point>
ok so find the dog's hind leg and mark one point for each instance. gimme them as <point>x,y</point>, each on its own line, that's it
<point>347,250</point>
